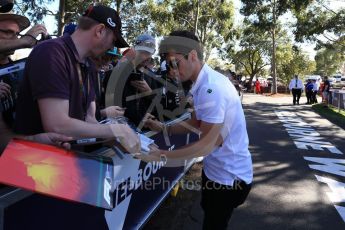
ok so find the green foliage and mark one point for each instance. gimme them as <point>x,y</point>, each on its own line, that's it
<point>328,61</point>
<point>291,61</point>
<point>255,49</point>
<point>211,20</point>
<point>214,62</point>
<point>36,10</point>
<point>130,12</point>
<point>317,21</point>
<point>331,113</point>
<point>263,13</point>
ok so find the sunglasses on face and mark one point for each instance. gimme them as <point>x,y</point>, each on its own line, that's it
<point>173,63</point>
<point>10,33</point>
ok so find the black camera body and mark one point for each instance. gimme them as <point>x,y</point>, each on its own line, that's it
<point>45,37</point>
<point>136,77</point>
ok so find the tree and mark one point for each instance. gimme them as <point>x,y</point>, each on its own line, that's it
<point>70,11</point>
<point>252,57</point>
<point>211,20</point>
<point>328,61</point>
<point>265,14</point>
<point>321,24</point>
<point>292,61</point>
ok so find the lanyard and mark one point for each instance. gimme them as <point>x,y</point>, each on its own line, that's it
<point>84,92</point>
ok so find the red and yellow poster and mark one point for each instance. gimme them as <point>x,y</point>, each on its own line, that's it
<point>56,172</point>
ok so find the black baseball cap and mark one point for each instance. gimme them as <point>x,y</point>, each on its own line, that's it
<point>110,18</point>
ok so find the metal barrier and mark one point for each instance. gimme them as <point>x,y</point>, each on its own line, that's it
<point>338,98</point>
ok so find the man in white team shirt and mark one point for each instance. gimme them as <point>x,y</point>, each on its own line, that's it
<point>218,116</point>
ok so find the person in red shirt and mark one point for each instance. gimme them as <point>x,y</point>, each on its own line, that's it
<point>257,86</point>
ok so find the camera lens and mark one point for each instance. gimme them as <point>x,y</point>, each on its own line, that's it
<point>45,37</point>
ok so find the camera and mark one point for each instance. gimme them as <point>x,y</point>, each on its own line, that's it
<point>136,77</point>
<point>45,37</point>
<point>6,103</point>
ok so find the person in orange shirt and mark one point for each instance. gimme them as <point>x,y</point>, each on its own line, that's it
<point>257,86</point>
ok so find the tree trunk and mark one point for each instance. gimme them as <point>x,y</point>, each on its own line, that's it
<point>118,6</point>
<point>273,61</point>
<point>61,17</point>
<point>196,19</point>
<point>250,82</point>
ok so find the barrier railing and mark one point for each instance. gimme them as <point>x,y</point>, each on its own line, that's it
<point>338,98</point>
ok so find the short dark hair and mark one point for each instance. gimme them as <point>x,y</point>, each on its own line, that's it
<point>86,23</point>
<point>184,48</point>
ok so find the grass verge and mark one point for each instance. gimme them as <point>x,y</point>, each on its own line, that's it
<point>331,113</point>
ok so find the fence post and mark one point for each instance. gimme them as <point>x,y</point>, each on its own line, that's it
<point>339,102</point>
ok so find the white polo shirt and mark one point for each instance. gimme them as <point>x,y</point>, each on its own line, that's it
<point>296,84</point>
<point>216,101</point>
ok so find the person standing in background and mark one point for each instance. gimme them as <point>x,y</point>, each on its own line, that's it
<point>296,86</point>
<point>309,91</point>
<point>325,91</point>
<point>315,91</point>
<point>257,86</point>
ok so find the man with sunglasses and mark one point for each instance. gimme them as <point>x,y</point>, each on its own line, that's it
<point>57,94</point>
<point>10,27</point>
<point>219,119</point>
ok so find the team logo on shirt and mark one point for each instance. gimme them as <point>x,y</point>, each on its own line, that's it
<point>209,90</point>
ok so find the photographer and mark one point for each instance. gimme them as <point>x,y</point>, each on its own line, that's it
<point>11,40</point>
<point>131,78</point>
<point>10,27</point>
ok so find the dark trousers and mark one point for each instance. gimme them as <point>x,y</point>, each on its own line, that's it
<point>296,94</point>
<point>314,99</point>
<point>218,202</point>
<point>309,95</point>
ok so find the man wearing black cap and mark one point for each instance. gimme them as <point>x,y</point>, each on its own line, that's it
<point>57,93</point>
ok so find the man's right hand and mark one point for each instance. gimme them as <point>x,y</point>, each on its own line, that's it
<point>5,90</point>
<point>153,124</point>
<point>127,137</point>
<point>32,34</point>
<point>113,111</point>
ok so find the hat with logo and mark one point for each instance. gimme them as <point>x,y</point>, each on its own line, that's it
<point>23,22</point>
<point>145,42</point>
<point>110,18</point>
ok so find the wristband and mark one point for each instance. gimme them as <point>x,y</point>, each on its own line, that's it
<point>29,35</point>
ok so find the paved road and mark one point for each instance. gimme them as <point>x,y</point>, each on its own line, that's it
<point>291,191</point>
<point>287,194</point>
